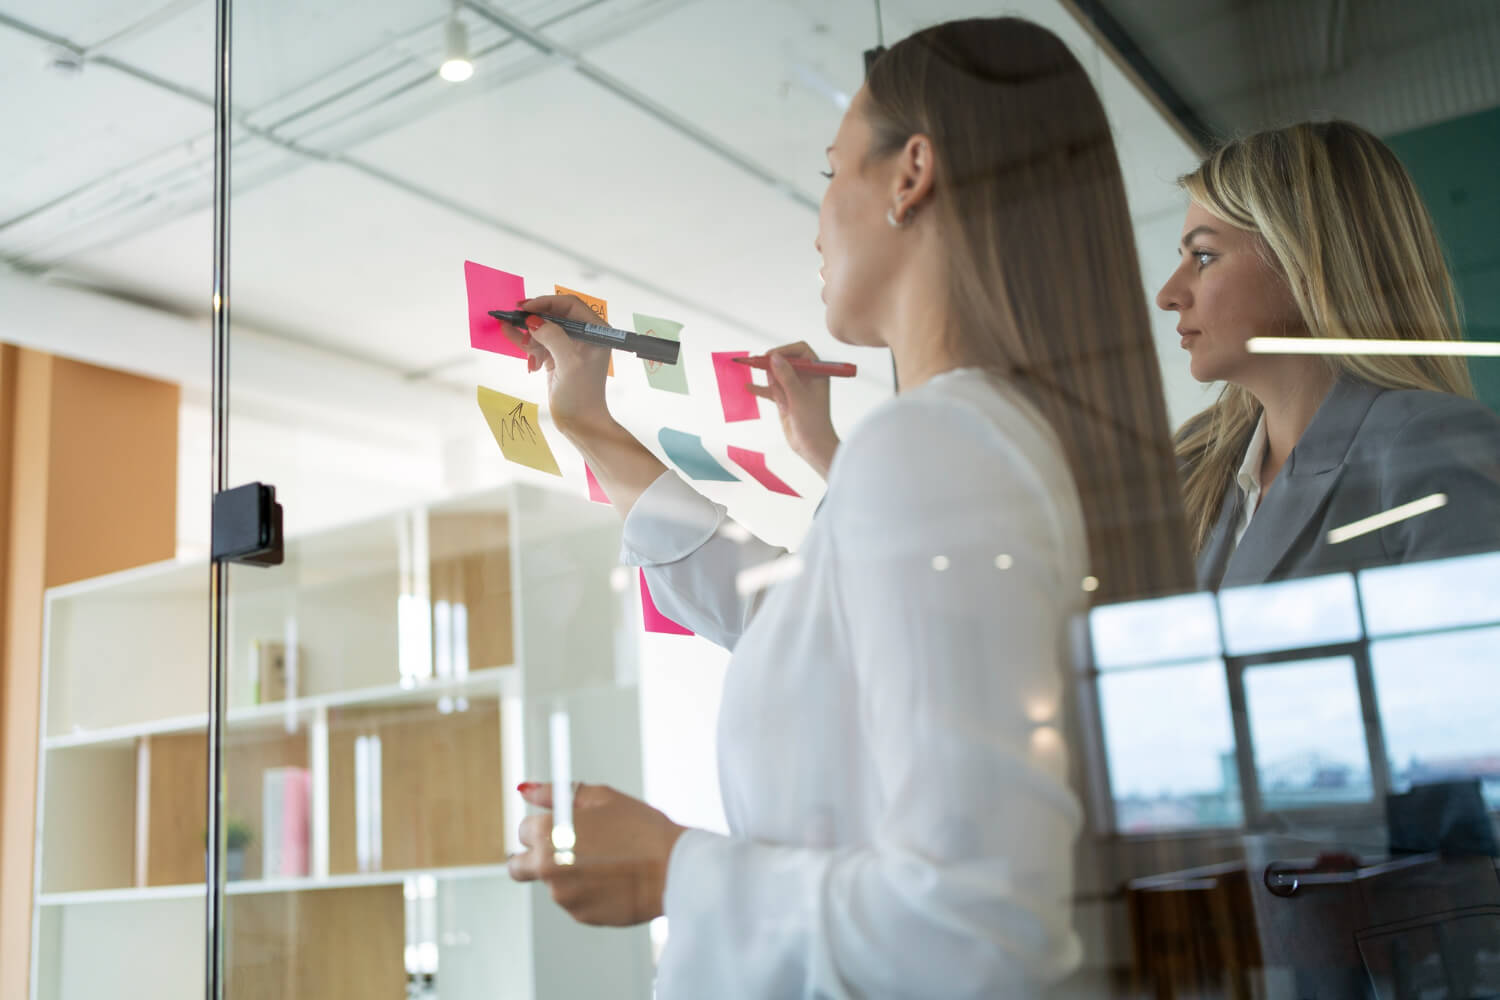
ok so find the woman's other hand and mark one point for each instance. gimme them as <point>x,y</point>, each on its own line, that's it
<point>618,871</point>
<point>576,370</point>
<point>802,402</point>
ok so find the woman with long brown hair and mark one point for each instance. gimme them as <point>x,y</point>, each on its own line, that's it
<point>1309,232</point>
<point>891,751</point>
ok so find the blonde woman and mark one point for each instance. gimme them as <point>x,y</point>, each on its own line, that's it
<point>890,746</point>
<point>1316,230</point>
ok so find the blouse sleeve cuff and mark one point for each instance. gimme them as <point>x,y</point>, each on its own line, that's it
<point>668,522</point>
<point>693,871</point>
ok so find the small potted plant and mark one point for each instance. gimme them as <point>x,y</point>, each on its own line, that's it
<point>237,838</point>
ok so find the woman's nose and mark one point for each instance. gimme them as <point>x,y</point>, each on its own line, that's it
<point>1172,295</point>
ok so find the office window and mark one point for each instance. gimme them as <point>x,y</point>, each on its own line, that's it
<point>1439,702</point>
<point>1307,733</point>
<point>1444,593</point>
<point>1170,747</point>
<point>1297,613</point>
<point>1139,633</point>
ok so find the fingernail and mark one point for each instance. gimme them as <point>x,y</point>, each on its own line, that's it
<point>530,363</point>
<point>522,302</point>
<point>525,337</point>
<point>532,322</point>
<point>526,786</point>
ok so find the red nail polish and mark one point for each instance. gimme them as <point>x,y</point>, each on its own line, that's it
<point>525,337</point>
<point>526,786</point>
<point>532,322</point>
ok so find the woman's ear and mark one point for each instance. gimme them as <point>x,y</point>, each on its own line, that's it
<point>916,171</point>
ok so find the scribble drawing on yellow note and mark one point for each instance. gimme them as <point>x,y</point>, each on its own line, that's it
<point>517,430</point>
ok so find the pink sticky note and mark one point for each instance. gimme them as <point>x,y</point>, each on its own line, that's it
<point>734,387</point>
<point>754,462</point>
<point>655,620</point>
<point>596,492</point>
<point>491,289</point>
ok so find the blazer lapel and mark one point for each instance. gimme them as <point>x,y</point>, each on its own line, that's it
<point>1291,504</point>
<point>1288,512</point>
<point>1220,542</point>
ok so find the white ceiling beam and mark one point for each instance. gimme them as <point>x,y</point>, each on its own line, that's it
<point>270,373</point>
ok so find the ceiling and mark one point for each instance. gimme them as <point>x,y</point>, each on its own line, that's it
<point>1390,65</point>
<point>662,154</point>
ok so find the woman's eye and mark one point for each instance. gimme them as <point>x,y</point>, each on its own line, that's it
<point>1203,257</point>
<point>827,174</point>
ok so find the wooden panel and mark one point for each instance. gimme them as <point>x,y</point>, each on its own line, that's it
<point>115,430</point>
<point>440,786</point>
<point>21,668</point>
<point>470,565</point>
<point>481,583</point>
<point>73,429</point>
<point>326,944</point>
<point>179,784</point>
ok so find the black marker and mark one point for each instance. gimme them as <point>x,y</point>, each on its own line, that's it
<point>647,348</point>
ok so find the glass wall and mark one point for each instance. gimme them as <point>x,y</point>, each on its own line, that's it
<point>1280,782</point>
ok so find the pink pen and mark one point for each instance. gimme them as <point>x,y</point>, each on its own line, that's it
<point>835,369</point>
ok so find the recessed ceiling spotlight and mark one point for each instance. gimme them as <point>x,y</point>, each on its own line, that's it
<point>64,62</point>
<point>457,66</point>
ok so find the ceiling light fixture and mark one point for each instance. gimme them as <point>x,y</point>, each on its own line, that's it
<point>1374,346</point>
<point>457,67</point>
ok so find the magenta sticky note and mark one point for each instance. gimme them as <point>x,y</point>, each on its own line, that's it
<point>491,289</point>
<point>734,387</point>
<point>754,462</point>
<point>596,492</point>
<point>655,620</point>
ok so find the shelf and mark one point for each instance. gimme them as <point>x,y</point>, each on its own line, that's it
<point>245,887</point>
<point>502,680</point>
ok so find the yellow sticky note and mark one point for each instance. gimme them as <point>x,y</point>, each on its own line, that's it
<point>517,430</point>
<point>598,305</point>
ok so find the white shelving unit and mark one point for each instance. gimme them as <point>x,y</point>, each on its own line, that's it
<point>449,636</point>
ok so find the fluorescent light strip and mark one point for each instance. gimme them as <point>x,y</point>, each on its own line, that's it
<point>1386,518</point>
<point>1363,345</point>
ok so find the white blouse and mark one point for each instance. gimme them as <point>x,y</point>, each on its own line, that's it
<point>1248,479</point>
<point>893,771</point>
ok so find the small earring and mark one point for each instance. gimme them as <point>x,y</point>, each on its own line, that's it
<point>890,216</point>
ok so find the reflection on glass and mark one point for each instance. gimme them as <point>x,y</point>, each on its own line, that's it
<point>1144,632</point>
<point>1170,747</point>
<point>1443,593</point>
<point>1310,612</point>
<point>1438,705</point>
<point>1305,726</point>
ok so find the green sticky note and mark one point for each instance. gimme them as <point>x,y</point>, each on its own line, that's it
<point>668,378</point>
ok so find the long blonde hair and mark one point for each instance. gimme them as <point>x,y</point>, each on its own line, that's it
<point>1045,286</point>
<point>1339,217</point>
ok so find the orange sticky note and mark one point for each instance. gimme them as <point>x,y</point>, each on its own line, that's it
<point>600,307</point>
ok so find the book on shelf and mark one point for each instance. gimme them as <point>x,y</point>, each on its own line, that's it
<point>286,804</point>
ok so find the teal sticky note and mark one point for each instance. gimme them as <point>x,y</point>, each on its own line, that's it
<point>668,378</point>
<point>687,452</point>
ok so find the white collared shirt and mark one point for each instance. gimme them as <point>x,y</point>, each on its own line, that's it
<point>892,772</point>
<point>1248,479</point>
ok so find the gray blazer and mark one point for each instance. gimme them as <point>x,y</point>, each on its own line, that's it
<point>1367,450</point>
